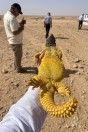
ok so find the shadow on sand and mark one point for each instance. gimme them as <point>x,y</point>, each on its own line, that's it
<point>61,38</point>
<point>86,29</point>
<point>68,72</point>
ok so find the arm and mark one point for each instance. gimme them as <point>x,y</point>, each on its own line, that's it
<point>19,30</point>
<point>27,115</point>
<point>16,27</point>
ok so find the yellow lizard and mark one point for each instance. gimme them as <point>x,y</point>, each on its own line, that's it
<point>50,74</point>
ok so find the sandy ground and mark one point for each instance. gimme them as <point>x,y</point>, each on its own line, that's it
<point>74,46</point>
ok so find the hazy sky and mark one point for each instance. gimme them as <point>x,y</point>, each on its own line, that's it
<point>41,7</point>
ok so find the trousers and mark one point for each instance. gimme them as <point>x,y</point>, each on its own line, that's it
<point>80,24</point>
<point>17,52</point>
<point>47,26</point>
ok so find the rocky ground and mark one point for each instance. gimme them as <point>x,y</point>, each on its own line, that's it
<point>74,46</point>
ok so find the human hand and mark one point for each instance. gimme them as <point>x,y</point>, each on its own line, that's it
<point>23,22</point>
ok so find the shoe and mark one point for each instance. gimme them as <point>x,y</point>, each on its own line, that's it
<point>21,70</point>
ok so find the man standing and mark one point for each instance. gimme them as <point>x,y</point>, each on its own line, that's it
<point>47,23</point>
<point>81,17</point>
<point>14,34</point>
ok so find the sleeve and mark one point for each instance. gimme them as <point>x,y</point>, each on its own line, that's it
<point>27,115</point>
<point>14,25</point>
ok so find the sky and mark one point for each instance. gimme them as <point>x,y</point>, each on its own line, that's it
<point>41,7</point>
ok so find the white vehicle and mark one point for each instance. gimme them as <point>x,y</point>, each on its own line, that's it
<point>85,21</point>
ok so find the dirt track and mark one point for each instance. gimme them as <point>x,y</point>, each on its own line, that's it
<point>74,46</point>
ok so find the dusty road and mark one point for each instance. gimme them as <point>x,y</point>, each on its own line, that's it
<point>74,46</point>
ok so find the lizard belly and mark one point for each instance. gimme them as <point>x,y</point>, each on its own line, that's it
<point>51,68</point>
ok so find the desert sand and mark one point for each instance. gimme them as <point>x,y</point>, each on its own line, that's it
<point>74,46</point>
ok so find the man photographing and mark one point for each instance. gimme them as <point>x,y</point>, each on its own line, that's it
<point>14,34</point>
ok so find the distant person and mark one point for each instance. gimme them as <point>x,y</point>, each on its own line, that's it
<point>14,34</point>
<point>27,115</point>
<point>81,18</point>
<point>47,23</point>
